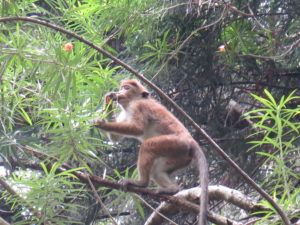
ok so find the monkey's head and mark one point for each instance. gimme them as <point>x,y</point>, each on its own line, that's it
<point>130,90</point>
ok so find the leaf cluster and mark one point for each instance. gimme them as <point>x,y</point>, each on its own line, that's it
<point>44,197</point>
<point>278,131</point>
<point>49,95</point>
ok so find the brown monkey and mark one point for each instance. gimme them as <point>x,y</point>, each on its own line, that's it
<point>166,145</point>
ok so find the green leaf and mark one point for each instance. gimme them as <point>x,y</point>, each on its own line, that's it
<point>264,101</point>
<point>268,155</point>
<point>25,116</point>
<point>117,173</point>
<point>139,207</point>
<point>69,172</point>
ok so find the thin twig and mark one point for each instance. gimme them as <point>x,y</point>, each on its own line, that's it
<point>155,210</point>
<point>186,40</point>
<point>256,20</point>
<point>290,48</point>
<point>178,5</point>
<point>106,211</point>
<point>217,4</point>
<point>7,187</point>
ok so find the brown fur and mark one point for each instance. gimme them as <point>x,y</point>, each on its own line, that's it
<point>166,144</point>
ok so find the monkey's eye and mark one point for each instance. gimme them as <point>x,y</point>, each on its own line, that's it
<point>125,87</point>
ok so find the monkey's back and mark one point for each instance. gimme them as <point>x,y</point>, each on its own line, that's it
<point>158,119</point>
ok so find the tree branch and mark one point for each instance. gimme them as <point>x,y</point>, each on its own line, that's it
<point>217,192</point>
<point>106,211</point>
<point>3,222</point>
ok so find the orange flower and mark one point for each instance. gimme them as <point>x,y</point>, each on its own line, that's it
<point>222,48</point>
<point>68,47</point>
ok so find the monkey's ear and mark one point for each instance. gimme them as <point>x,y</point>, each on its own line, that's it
<point>145,94</point>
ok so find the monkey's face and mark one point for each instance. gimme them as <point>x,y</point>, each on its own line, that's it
<point>126,94</point>
<point>130,90</point>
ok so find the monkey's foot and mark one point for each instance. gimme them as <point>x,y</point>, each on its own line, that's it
<point>131,182</point>
<point>168,191</point>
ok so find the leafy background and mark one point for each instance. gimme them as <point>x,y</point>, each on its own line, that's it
<point>207,56</point>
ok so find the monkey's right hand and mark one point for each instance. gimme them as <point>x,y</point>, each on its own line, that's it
<point>110,96</point>
<point>98,123</point>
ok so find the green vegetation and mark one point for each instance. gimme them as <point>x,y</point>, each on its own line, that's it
<point>215,59</point>
<point>278,129</point>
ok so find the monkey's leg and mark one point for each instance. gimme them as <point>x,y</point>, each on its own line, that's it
<point>145,162</point>
<point>158,157</point>
<point>161,171</point>
<point>166,186</point>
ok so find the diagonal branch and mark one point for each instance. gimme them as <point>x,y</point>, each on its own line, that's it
<point>247,178</point>
<point>3,222</point>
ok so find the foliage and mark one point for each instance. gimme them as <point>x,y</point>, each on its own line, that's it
<point>277,128</point>
<point>160,51</point>
<point>48,196</point>
<point>48,95</point>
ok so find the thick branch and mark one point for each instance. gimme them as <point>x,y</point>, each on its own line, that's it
<point>100,182</point>
<point>165,97</point>
<point>215,193</point>
<point>7,187</point>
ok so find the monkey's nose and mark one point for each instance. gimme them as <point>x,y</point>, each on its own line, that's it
<point>113,96</point>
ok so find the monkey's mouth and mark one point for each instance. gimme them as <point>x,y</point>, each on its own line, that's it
<point>119,98</point>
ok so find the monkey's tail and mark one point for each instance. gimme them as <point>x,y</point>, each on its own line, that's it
<point>203,175</point>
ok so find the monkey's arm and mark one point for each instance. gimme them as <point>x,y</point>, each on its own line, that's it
<point>121,128</point>
<point>112,136</point>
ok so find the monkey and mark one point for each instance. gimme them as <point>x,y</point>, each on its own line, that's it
<point>166,145</point>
